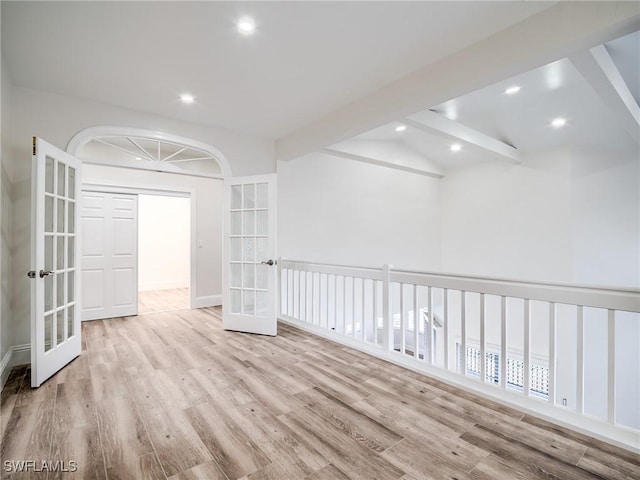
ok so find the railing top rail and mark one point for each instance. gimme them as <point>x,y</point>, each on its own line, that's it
<point>304,262</point>
<point>515,281</point>
<point>618,298</point>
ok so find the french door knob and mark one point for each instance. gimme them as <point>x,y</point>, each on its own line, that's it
<point>269,262</point>
<point>44,273</point>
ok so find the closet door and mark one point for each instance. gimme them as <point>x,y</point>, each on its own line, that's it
<point>109,255</point>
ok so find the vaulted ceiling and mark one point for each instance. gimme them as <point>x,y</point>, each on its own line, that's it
<point>309,61</point>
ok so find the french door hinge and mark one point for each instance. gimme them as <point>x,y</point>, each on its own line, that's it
<point>34,146</point>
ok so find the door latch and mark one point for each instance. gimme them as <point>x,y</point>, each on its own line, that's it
<point>31,274</point>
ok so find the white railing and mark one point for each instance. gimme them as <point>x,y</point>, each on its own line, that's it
<point>564,352</point>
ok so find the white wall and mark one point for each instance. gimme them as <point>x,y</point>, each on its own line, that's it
<point>164,250</point>
<point>5,214</point>
<point>340,211</point>
<point>561,216</point>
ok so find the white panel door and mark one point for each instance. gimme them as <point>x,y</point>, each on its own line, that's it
<point>55,319</point>
<point>250,250</point>
<point>109,255</point>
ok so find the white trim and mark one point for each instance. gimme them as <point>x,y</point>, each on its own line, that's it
<point>617,435</point>
<point>137,189</point>
<point>208,301</point>
<point>15,355</point>
<point>85,136</point>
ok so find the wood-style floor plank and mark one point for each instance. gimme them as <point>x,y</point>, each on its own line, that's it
<point>232,448</point>
<point>170,394</point>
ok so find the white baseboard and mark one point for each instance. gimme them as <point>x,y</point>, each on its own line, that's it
<point>208,301</point>
<point>16,355</point>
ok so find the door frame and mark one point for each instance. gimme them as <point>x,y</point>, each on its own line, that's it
<point>182,192</point>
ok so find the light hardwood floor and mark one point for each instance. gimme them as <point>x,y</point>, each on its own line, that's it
<point>154,301</point>
<point>173,395</point>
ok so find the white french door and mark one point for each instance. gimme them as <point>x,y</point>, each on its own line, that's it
<point>55,306</point>
<point>250,255</point>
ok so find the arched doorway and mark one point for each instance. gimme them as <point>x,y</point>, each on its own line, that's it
<point>135,162</point>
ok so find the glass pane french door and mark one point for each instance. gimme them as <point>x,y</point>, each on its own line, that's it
<point>55,323</point>
<point>250,274</point>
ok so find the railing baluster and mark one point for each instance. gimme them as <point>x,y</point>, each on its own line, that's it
<point>428,331</point>
<point>309,293</point>
<point>299,294</point>
<point>313,298</point>
<point>287,292</point>
<point>387,338</point>
<point>445,319</point>
<point>353,307</point>
<point>403,326</point>
<point>416,324</point>
<point>374,309</point>
<point>580,362</point>
<point>483,342</point>
<point>503,342</point>
<point>527,348</point>
<point>279,296</point>
<point>611,366</point>
<point>326,303</point>
<point>290,293</point>
<point>363,322</point>
<point>335,302</point>
<point>344,304</point>
<point>463,332</point>
<point>552,353</point>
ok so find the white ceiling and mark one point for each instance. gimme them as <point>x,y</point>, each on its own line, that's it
<point>522,120</point>
<point>305,59</point>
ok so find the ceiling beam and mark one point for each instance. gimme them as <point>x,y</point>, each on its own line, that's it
<point>432,122</point>
<point>597,68</point>
<point>380,163</point>
<point>555,33</point>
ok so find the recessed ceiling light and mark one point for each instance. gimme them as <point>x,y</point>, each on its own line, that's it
<point>246,26</point>
<point>456,147</point>
<point>187,98</point>
<point>512,90</point>
<point>138,158</point>
<point>401,128</point>
<point>558,122</point>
